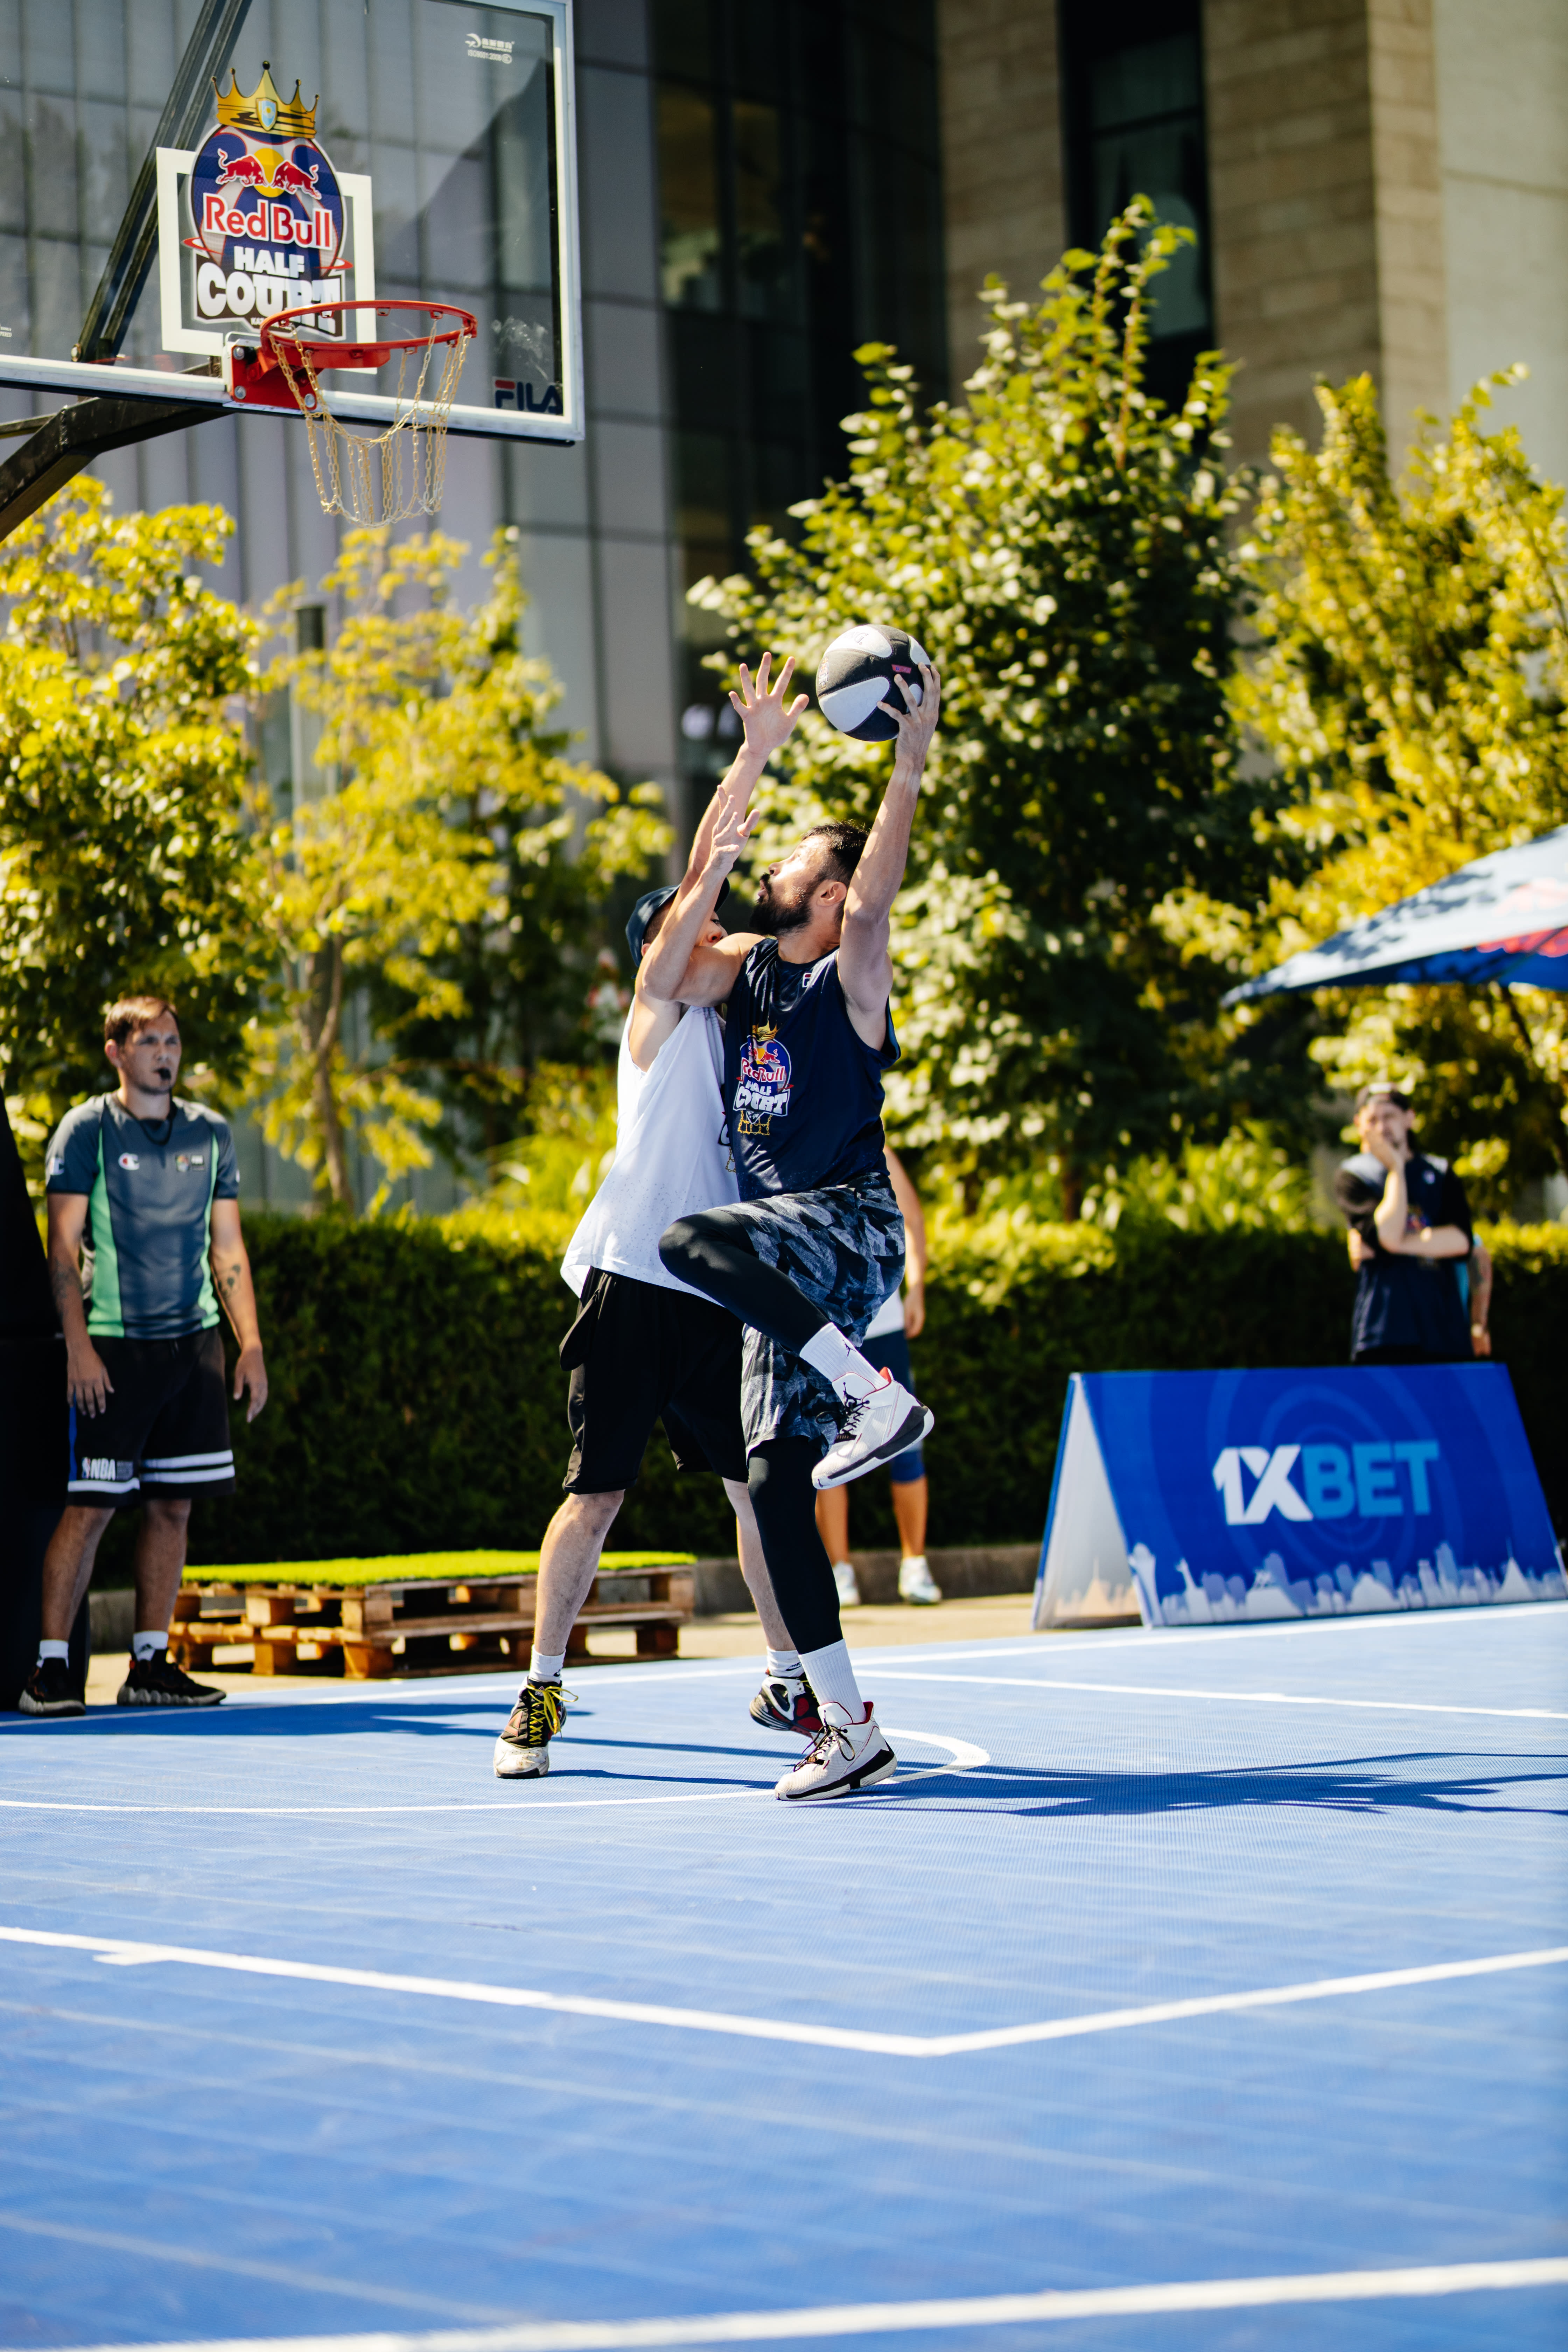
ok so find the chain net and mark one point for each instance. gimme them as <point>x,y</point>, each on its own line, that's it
<point>383,477</point>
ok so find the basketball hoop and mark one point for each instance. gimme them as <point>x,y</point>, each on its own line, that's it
<point>284,370</point>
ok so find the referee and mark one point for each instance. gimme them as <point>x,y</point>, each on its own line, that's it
<point>143,1191</point>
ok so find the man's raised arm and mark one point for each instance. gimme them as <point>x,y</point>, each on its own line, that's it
<point>865,968</point>
<point>676,971</point>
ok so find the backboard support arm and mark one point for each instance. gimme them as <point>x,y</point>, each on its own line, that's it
<point>217,28</point>
<point>72,439</point>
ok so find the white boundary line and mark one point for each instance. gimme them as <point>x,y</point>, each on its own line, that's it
<point>120,1951</point>
<point>1247,1698</point>
<point>966,1757</point>
<point>898,2318</point>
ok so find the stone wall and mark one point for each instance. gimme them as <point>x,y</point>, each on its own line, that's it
<point>1002,158</point>
<point>1326,189</point>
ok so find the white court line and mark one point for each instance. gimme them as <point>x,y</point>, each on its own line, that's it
<point>123,1952</point>
<point>966,1757</point>
<point>1247,1698</point>
<point>898,2318</point>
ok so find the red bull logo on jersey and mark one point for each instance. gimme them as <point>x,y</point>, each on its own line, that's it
<point>763,1087</point>
<point>267,211</point>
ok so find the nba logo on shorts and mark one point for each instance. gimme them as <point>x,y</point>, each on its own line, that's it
<point>761,1091</point>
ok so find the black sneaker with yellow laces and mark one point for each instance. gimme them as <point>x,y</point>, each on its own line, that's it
<point>158,1681</point>
<point>522,1750</point>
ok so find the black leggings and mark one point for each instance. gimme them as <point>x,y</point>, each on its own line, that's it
<point>715,1254</point>
<point>783,1496</point>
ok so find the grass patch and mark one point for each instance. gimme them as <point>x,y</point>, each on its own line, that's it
<point>412,1567</point>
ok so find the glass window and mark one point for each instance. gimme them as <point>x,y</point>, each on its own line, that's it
<point>1133,109</point>
<point>801,216</point>
<point>690,246</point>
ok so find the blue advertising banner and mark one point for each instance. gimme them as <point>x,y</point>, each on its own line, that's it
<point>1215,1498</point>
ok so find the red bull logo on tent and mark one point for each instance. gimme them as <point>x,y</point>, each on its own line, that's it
<point>267,211</point>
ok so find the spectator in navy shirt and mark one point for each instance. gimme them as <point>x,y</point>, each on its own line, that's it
<point>1423,1281</point>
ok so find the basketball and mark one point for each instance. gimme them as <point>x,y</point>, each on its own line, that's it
<point>856,676</point>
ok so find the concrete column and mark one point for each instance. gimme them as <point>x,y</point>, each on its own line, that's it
<point>1409,177</point>
<point>1003,197</point>
<point>1326,197</point>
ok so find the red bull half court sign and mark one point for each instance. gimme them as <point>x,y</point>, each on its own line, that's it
<point>256,221</point>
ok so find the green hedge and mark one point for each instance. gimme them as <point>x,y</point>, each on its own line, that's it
<point>418,1404</point>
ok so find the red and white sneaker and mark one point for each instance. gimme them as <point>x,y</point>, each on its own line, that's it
<point>875,1429</point>
<point>845,1758</point>
<point>787,1703</point>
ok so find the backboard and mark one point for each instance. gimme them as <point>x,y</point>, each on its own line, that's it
<point>282,152</point>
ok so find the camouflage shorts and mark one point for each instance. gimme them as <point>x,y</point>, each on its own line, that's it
<point>843,1248</point>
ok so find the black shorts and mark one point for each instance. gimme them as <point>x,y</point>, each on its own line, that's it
<point>637,1354</point>
<point>165,1430</point>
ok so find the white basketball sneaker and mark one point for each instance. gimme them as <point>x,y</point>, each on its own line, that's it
<point>845,1758</point>
<point>843,1579</point>
<point>876,1428</point>
<point>916,1582</point>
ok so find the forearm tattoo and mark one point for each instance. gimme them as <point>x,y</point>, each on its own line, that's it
<point>64,1283</point>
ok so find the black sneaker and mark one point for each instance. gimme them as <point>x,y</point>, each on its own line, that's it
<point>49,1690</point>
<point>522,1750</point>
<point>787,1703</point>
<point>158,1681</point>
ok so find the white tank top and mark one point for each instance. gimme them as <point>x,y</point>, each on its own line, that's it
<point>672,1156</point>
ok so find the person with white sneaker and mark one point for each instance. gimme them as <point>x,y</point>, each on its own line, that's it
<point>901,1318</point>
<point>816,1243</point>
<point>646,1347</point>
<point>143,1189</point>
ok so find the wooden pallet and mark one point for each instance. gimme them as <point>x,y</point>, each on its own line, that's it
<point>427,1626</point>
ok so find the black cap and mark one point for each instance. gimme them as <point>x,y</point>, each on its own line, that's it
<point>647,907</point>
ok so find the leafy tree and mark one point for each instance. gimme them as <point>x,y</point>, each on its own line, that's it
<point>122,771</point>
<point>1060,547</point>
<point>434,903</point>
<point>1409,682</point>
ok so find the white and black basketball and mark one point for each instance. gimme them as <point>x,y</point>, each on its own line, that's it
<point>855,674</point>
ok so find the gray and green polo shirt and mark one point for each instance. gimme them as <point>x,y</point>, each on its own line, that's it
<point>144,1254</point>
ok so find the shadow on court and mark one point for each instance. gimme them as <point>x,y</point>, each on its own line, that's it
<point>1369,1784</point>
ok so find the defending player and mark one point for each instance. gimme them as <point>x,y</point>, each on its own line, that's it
<point>646,1345</point>
<point>143,1188</point>
<point>816,1241</point>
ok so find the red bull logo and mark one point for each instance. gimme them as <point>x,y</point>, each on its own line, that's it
<point>763,1087</point>
<point>266,208</point>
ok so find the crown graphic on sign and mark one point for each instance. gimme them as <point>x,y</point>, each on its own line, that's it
<point>264,112</point>
<point>764,1033</point>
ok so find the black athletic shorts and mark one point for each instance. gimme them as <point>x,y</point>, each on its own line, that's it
<point>166,1428</point>
<point>637,1354</point>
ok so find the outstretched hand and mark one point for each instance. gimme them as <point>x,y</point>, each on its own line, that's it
<point>731,831</point>
<point>763,715</point>
<point>917,724</point>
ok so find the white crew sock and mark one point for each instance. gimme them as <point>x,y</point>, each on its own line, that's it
<point>828,1351</point>
<point>786,1662</point>
<point>144,1647</point>
<point>543,1668</point>
<point>832,1676</point>
<point>47,1650</point>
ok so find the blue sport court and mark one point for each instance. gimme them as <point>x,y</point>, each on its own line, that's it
<point>1184,1991</point>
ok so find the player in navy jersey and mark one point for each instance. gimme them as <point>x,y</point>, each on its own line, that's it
<point>143,1189</point>
<point>815,1242</point>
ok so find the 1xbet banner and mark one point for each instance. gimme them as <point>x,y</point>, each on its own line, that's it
<point>1242,1495</point>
